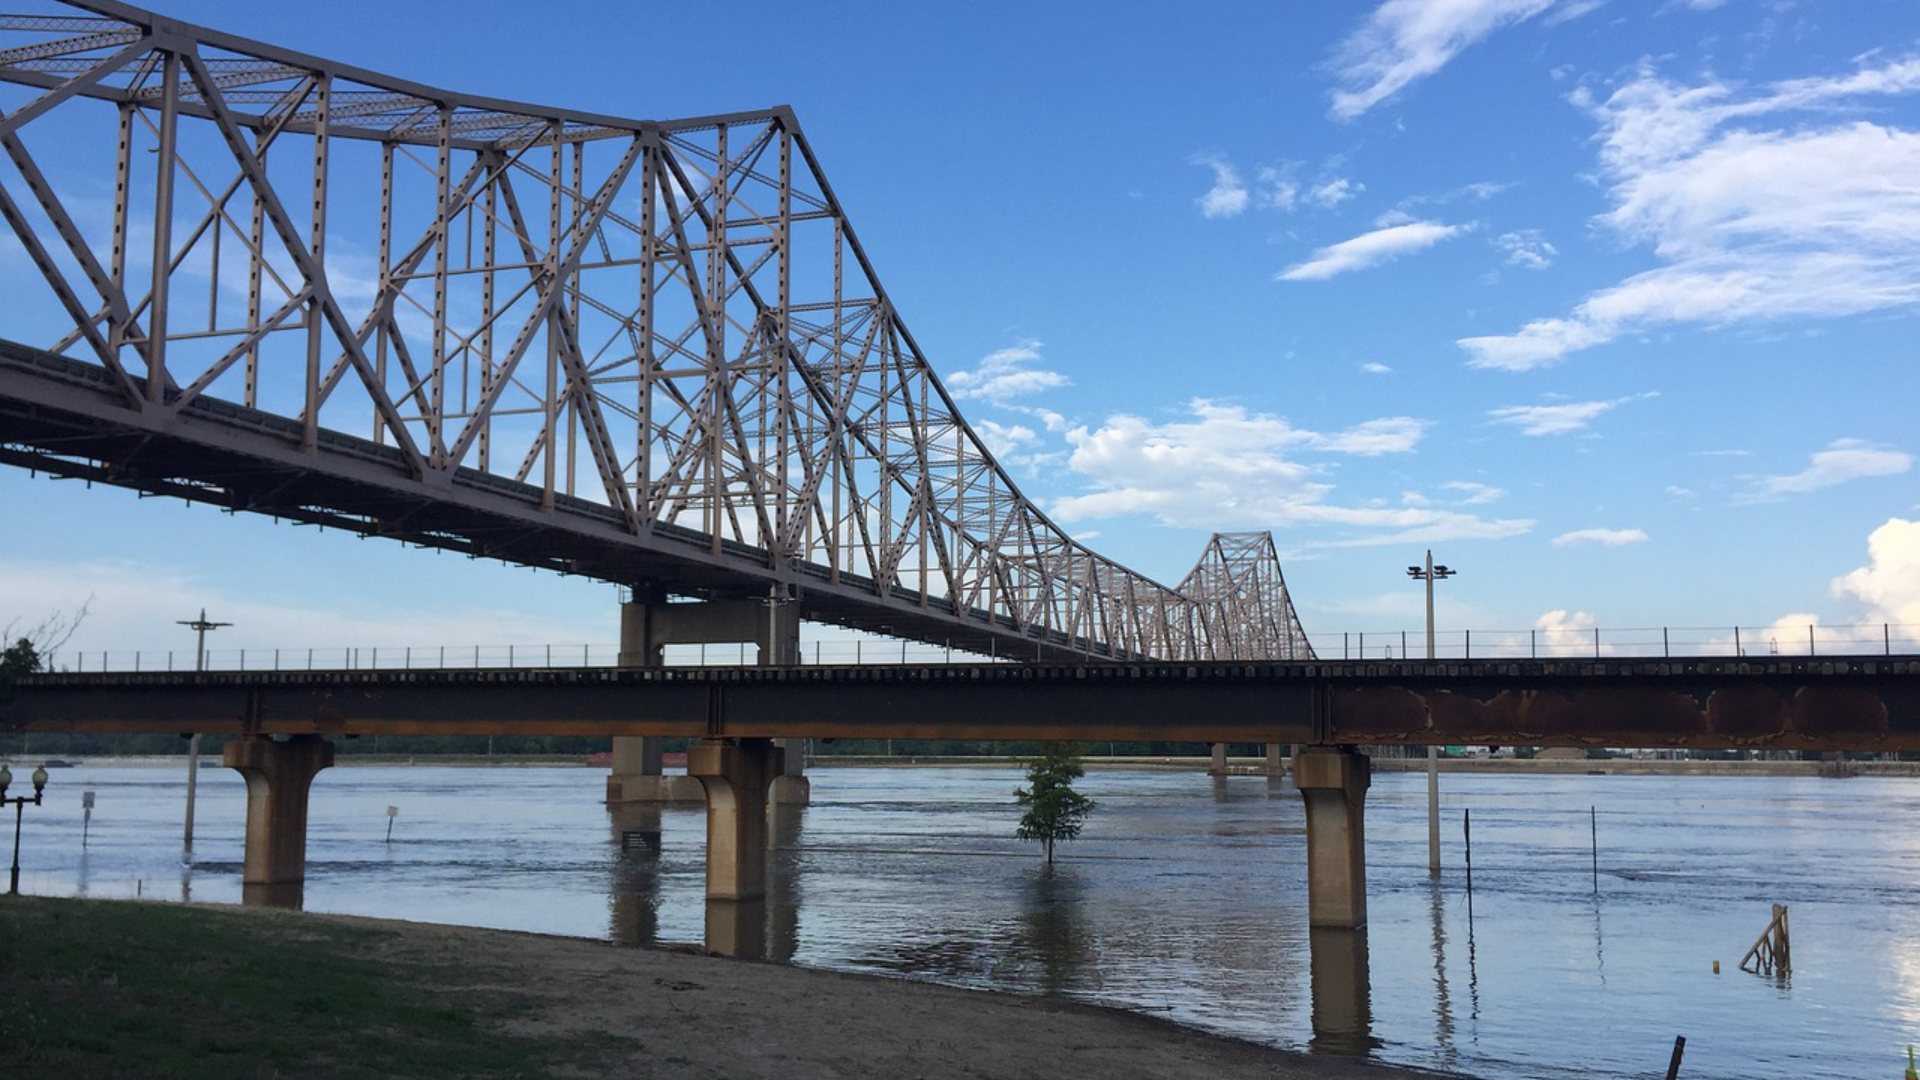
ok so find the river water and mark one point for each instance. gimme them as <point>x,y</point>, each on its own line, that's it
<point>1186,898</point>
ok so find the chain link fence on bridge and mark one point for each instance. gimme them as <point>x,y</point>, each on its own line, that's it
<point>1776,639</point>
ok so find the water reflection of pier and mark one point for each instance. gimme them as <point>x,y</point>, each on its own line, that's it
<point>1049,941</point>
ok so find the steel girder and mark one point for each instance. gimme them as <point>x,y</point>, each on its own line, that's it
<point>1240,599</point>
<point>666,327</point>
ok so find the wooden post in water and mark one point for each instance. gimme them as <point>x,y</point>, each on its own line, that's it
<point>1772,954</point>
<point>1679,1049</point>
<point>1593,826</point>
<point>1466,827</point>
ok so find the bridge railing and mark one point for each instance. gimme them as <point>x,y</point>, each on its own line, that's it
<point>1774,639</point>
<point>523,655</point>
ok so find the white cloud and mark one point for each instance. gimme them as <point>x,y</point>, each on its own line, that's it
<point>1374,367</point>
<point>1601,537</point>
<point>1473,493</point>
<point>1889,585</point>
<point>1006,374</point>
<point>1526,248</point>
<point>1561,628</point>
<point>1225,467</point>
<point>1278,189</point>
<point>1005,440</point>
<point>1371,249</point>
<point>1675,491</point>
<point>1761,206</point>
<point>1333,192</point>
<point>1559,419</point>
<point>1407,40</point>
<point>1841,461</point>
<point>1228,197</point>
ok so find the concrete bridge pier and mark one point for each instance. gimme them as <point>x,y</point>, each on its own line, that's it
<point>736,774</point>
<point>1218,765</point>
<point>1342,1012</point>
<point>647,627</point>
<point>1333,781</point>
<point>1276,759</point>
<point>279,776</point>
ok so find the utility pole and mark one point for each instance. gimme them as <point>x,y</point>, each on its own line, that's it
<point>199,626</point>
<point>1429,574</point>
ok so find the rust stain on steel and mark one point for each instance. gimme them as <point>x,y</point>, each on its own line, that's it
<point>1838,712</point>
<point>1609,715</point>
<point>1747,713</point>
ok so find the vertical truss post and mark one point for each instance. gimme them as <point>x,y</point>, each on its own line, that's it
<point>385,255</point>
<point>779,377</point>
<point>550,407</point>
<point>256,259</point>
<point>163,228</point>
<point>310,435</point>
<point>117,257</point>
<point>442,235</point>
<point>489,208</point>
<point>577,393</point>
<point>720,377</point>
<point>648,367</point>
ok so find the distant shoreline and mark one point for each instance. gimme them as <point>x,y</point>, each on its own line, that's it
<point>1239,766</point>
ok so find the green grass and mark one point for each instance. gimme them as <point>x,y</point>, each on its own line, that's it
<point>107,989</point>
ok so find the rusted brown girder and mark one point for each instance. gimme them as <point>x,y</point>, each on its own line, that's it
<point>1838,703</point>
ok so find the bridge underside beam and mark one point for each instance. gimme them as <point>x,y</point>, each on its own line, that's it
<point>64,418</point>
<point>1848,703</point>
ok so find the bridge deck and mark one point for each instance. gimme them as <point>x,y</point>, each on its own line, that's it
<point>1825,703</point>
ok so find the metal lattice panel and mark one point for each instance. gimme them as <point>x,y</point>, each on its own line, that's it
<point>1240,598</point>
<point>666,330</point>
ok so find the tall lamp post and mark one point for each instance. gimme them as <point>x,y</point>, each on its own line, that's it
<point>19,807</point>
<point>1430,574</point>
<point>199,626</point>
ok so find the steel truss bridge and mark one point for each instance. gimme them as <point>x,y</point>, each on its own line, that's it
<point>649,352</point>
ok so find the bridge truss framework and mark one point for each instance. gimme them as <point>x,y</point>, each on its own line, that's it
<point>652,352</point>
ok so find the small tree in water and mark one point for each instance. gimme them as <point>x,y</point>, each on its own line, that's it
<point>1054,810</point>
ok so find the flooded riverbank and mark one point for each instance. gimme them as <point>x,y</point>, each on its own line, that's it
<point>1185,899</point>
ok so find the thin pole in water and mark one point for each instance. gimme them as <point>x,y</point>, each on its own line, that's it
<point>1679,1049</point>
<point>1466,828</point>
<point>1593,826</point>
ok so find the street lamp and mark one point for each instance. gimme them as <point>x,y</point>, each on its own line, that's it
<point>19,807</point>
<point>1430,574</point>
<point>199,626</point>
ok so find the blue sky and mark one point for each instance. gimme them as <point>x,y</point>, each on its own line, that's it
<point>1612,304</point>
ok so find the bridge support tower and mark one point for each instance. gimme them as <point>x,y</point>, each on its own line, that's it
<point>647,627</point>
<point>738,775</point>
<point>1334,781</point>
<point>279,775</point>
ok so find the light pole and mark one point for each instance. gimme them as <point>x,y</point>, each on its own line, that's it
<point>199,626</point>
<point>19,807</point>
<point>1430,574</point>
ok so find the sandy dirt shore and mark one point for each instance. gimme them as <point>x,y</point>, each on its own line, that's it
<point>702,1016</point>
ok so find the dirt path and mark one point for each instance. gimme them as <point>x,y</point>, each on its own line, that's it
<point>700,1016</point>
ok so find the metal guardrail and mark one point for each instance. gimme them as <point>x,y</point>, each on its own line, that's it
<point>1855,639</point>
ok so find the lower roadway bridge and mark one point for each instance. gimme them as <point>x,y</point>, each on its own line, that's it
<point>1332,709</point>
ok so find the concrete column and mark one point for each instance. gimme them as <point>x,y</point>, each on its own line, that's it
<point>1334,784</point>
<point>737,928</point>
<point>1276,759</point>
<point>636,776</point>
<point>736,774</point>
<point>791,787</point>
<point>1342,992</point>
<point>780,647</point>
<point>647,627</point>
<point>278,775</point>
<point>1219,766</point>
